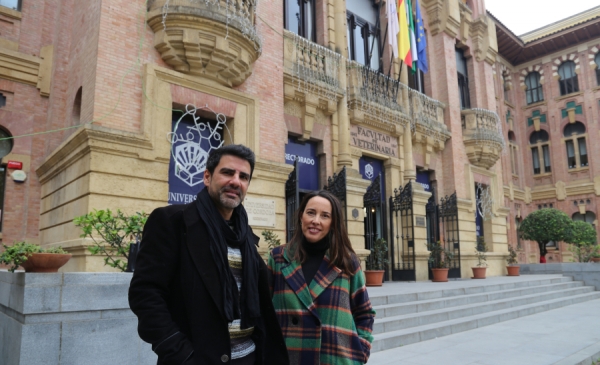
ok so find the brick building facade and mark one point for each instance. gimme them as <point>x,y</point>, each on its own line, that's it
<point>90,89</point>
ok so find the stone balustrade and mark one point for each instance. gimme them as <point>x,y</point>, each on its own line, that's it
<point>427,113</point>
<point>215,39</point>
<point>379,96</point>
<point>311,68</point>
<point>482,136</point>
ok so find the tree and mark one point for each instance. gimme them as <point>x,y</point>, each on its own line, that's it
<point>581,233</point>
<point>583,237</point>
<point>546,225</point>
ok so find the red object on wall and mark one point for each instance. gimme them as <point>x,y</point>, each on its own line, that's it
<point>542,259</point>
<point>16,165</point>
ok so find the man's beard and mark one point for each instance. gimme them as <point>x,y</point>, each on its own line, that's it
<point>224,201</point>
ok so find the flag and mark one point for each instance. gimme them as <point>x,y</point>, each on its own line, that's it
<point>392,27</point>
<point>403,35</point>
<point>413,42</point>
<point>421,41</point>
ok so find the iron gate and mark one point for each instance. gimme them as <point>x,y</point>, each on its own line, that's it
<point>292,201</point>
<point>336,185</point>
<point>448,215</point>
<point>374,214</point>
<point>433,225</point>
<point>402,238</point>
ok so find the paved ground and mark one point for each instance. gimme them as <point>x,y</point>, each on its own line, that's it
<point>565,336</point>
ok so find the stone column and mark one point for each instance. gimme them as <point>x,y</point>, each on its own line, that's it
<point>409,165</point>
<point>341,46</point>
<point>356,187</point>
<point>420,198</point>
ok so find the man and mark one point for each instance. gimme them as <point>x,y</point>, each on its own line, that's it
<point>200,289</point>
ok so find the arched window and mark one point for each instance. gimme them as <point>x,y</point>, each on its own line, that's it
<point>568,78</point>
<point>598,68</point>
<point>299,17</point>
<point>512,143</point>
<point>540,152</point>
<point>534,91</point>
<point>588,217</point>
<point>363,33</point>
<point>576,147</point>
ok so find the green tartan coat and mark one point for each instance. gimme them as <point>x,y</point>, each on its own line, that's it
<point>328,322</point>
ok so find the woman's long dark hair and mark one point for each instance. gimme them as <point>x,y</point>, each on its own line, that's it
<point>341,253</point>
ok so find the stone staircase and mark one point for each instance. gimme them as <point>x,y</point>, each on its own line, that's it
<point>410,317</point>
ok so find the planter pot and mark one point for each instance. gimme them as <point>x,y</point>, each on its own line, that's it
<point>513,270</point>
<point>479,272</point>
<point>45,262</point>
<point>595,259</point>
<point>374,277</point>
<point>440,275</point>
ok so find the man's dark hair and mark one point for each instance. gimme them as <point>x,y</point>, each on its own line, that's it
<point>237,150</point>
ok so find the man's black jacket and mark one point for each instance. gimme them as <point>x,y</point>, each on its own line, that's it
<point>176,294</point>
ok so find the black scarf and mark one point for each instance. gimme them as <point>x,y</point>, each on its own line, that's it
<point>220,235</point>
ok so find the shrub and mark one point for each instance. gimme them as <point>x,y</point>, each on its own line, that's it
<point>511,259</point>
<point>481,253</point>
<point>112,235</point>
<point>378,260</point>
<point>439,257</point>
<point>271,238</point>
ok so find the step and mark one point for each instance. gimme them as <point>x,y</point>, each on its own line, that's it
<point>390,310</point>
<point>439,315</point>
<point>401,337</point>
<point>377,300</point>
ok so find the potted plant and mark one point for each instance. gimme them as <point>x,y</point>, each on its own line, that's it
<point>33,258</point>
<point>513,264</point>
<point>439,261</point>
<point>377,263</point>
<point>481,254</point>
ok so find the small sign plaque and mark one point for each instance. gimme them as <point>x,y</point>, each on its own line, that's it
<point>420,221</point>
<point>261,212</point>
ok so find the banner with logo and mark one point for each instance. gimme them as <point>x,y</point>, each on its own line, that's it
<point>191,141</point>
<point>308,163</point>
<point>370,168</point>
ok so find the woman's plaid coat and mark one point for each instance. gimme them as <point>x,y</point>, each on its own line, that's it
<point>328,322</point>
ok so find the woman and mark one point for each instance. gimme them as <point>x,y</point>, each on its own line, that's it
<point>319,289</point>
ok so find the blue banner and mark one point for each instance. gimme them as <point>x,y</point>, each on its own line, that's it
<point>370,168</point>
<point>423,179</point>
<point>191,141</point>
<point>308,163</point>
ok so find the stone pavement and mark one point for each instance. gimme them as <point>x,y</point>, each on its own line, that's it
<point>565,336</point>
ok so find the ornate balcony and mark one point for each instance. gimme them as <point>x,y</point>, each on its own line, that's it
<point>215,39</point>
<point>482,136</point>
<point>311,73</point>
<point>427,115</point>
<point>375,97</point>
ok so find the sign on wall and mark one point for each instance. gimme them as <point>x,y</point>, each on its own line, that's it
<point>192,140</point>
<point>261,212</point>
<point>423,179</point>
<point>308,163</point>
<point>370,168</point>
<point>371,140</point>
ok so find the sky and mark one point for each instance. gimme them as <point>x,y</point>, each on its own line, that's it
<point>522,16</point>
